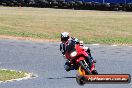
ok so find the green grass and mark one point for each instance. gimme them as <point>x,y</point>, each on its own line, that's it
<point>23,34</point>
<point>106,27</point>
<point>8,75</point>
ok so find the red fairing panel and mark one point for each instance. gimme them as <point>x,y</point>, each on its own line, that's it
<point>92,68</point>
<point>80,58</point>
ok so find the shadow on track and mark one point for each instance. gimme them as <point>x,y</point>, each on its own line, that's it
<point>63,78</point>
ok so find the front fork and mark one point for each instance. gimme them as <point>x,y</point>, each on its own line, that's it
<point>85,66</point>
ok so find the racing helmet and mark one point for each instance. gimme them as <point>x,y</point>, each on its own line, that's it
<point>64,36</point>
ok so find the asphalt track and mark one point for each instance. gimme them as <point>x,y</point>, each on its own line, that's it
<point>45,60</point>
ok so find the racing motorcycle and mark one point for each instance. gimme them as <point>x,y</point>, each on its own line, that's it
<point>78,57</point>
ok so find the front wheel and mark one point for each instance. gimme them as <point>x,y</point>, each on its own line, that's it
<point>81,80</point>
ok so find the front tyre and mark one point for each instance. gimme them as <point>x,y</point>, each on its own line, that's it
<point>81,80</point>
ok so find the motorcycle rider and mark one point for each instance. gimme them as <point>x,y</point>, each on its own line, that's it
<point>65,40</point>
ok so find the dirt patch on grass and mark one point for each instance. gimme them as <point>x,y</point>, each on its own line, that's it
<point>28,38</point>
<point>43,40</point>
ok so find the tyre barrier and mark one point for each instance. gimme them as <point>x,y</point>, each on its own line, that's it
<point>124,5</point>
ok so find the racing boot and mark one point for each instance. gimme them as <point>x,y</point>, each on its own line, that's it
<point>68,66</point>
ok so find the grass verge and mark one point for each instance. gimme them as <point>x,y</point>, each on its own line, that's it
<point>6,75</point>
<point>105,27</point>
